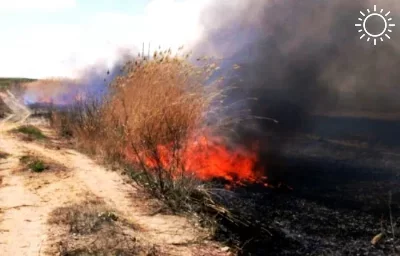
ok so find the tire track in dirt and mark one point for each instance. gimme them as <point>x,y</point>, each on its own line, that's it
<point>26,203</point>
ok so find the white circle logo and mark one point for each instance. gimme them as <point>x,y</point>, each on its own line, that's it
<point>387,24</point>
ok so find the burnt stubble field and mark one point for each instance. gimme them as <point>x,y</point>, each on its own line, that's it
<point>339,188</point>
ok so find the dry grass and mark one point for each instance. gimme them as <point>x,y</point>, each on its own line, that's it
<point>84,218</point>
<point>163,101</point>
<point>92,228</point>
<point>159,103</point>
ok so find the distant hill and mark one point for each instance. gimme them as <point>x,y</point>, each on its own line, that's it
<point>6,82</point>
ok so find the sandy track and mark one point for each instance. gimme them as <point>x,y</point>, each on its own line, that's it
<point>23,230</point>
<point>25,203</point>
<point>22,222</point>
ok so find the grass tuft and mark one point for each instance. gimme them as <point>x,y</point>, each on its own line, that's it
<point>37,166</point>
<point>32,132</point>
<point>33,163</point>
<point>95,229</point>
<point>84,218</point>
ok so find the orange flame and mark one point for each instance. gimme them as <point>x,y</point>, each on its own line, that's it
<point>207,159</point>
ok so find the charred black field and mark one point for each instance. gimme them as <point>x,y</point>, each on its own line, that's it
<point>337,186</point>
<point>334,177</point>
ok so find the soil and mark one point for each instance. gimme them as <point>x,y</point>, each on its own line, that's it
<point>27,198</point>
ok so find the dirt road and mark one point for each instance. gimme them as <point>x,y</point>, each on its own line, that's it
<point>27,198</point>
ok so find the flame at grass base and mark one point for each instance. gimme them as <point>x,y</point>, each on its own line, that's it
<point>205,158</point>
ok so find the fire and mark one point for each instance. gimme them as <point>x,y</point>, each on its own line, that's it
<point>207,159</point>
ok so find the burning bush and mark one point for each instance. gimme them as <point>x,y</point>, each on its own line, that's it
<point>156,119</point>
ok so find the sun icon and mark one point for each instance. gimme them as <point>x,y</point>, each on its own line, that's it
<point>363,25</point>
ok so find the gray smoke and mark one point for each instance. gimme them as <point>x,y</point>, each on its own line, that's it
<point>305,57</point>
<point>93,82</point>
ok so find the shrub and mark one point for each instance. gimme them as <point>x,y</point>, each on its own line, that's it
<point>152,115</point>
<point>37,166</point>
<point>158,107</point>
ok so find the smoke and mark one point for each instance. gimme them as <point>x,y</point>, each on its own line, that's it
<point>91,83</point>
<point>298,59</point>
<point>304,57</point>
<point>100,36</point>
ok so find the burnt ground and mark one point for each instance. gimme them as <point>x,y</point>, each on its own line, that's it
<point>339,198</point>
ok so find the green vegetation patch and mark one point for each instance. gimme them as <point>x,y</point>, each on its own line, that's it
<point>33,163</point>
<point>7,82</point>
<point>32,132</point>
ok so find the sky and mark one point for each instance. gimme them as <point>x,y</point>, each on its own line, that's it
<point>59,38</point>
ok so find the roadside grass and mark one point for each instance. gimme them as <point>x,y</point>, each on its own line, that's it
<point>30,133</point>
<point>34,163</point>
<point>92,228</point>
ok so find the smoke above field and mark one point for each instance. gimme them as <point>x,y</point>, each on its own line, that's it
<point>310,50</point>
<point>91,83</point>
<point>305,56</point>
<point>300,58</point>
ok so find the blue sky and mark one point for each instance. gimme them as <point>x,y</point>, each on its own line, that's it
<point>52,38</point>
<point>69,12</point>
